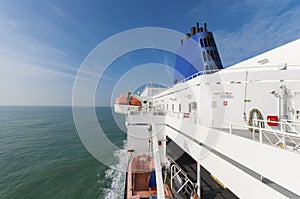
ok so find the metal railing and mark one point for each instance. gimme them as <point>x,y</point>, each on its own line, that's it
<point>290,125</point>
<point>265,135</point>
<point>183,184</point>
<point>207,72</point>
<point>147,113</point>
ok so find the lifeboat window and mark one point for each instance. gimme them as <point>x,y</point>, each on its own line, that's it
<point>204,55</point>
<point>179,107</point>
<point>201,43</point>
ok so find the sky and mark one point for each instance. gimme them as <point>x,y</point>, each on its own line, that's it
<point>44,43</point>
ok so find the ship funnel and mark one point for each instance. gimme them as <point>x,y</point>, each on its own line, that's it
<point>198,54</point>
<point>205,27</point>
<point>193,31</point>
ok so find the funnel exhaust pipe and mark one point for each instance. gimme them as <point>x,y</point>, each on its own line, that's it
<point>193,31</point>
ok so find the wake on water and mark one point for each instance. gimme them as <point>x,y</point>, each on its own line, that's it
<point>116,175</point>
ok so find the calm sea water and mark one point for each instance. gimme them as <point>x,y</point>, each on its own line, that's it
<point>41,155</point>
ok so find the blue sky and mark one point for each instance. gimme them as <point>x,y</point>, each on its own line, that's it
<point>43,43</point>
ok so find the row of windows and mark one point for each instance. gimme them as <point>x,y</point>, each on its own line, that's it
<point>210,55</point>
<point>207,42</point>
<point>192,107</point>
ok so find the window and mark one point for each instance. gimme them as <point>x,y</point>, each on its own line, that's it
<point>213,42</point>
<point>190,107</point>
<point>206,67</point>
<point>167,107</point>
<point>201,43</point>
<point>172,107</point>
<point>204,55</point>
<point>194,106</point>
<point>208,41</point>
<point>212,55</point>
<point>179,108</point>
<point>205,42</point>
<point>208,55</point>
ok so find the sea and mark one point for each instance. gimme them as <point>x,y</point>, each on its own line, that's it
<point>41,155</point>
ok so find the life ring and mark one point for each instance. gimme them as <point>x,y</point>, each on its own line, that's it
<point>257,124</point>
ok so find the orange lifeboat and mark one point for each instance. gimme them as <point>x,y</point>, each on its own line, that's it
<point>138,175</point>
<point>125,102</point>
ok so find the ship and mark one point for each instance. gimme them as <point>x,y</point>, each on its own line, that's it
<point>240,124</point>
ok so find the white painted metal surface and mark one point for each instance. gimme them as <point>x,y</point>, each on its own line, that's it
<point>212,112</point>
<point>157,163</point>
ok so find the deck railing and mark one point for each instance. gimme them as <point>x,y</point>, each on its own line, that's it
<point>265,135</point>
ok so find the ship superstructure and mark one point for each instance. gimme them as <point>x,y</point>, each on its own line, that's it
<point>242,123</point>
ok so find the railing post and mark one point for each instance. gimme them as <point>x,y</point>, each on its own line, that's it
<point>260,135</point>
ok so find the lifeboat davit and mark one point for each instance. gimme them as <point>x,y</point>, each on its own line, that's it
<point>127,102</point>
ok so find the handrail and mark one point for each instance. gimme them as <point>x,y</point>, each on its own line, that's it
<point>290,125</point>
<point>282,136</point>
<point>207,72</point>
<point>175,171</point>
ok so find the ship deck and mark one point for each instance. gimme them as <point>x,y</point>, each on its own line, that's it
<point>210,189</point>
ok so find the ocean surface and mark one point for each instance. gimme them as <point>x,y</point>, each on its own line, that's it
<point>41,155</point>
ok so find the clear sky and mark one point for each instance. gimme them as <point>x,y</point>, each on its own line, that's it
<point>43,43</point>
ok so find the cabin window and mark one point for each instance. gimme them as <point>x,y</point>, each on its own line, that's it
<point>201,43</point>
<point>179,108</point>
<point>172,107</point>
<point>194,106</point>
<point>204,55</point>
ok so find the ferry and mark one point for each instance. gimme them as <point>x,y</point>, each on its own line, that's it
<point>241,124</point>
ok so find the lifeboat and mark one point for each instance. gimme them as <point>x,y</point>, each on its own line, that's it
<point>127,102</point>
<point>140,177</point>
